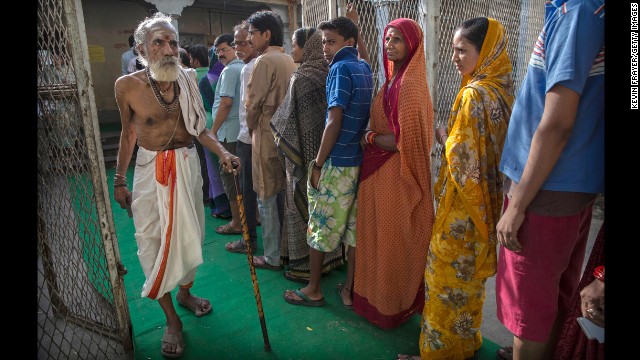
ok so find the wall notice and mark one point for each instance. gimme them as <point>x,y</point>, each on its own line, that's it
<point>96,53</point>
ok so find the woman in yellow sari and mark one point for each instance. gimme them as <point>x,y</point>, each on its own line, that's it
<point>462,251</point>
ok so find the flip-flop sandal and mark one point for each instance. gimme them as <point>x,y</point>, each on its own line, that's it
<point>340,287</point>
<point>226,229</point>
<point>306,301</point>
<point>175,339</point>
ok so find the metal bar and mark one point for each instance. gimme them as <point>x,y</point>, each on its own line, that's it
<point>431,16</point>
<point>86,96</point>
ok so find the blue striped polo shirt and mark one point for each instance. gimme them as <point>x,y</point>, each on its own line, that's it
<point>569,52</point>
<point>349,86</point>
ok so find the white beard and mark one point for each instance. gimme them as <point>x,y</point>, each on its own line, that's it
<point>165,69</point>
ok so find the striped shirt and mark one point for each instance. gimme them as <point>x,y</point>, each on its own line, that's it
<point>568,52</point>
<point>349,86</point>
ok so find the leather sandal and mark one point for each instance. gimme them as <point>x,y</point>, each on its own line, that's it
<point>238,246</point>
<point>259,262</point>
<point>226,229</point>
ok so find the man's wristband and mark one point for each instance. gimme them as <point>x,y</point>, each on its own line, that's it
<point>598,272</point>
<point>117,185</point>
<point>316,167</point>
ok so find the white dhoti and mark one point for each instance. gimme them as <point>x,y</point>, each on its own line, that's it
<point>169,218</point>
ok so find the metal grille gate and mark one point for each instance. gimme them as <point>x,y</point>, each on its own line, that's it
<point>523,20</point>
<point>82,309</point>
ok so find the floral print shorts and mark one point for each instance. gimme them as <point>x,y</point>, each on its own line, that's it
<point>333,208</point>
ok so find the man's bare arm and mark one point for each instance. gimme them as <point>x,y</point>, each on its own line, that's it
<point>329,138</point>
<point>352,14</point>
<point>210,142</point>
<point>330,134</point>
<point>127,138</point>
<point>549,140</point>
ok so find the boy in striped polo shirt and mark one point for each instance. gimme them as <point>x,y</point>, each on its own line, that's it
<point>333,180</point>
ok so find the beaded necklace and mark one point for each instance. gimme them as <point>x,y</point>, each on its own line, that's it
<point>169,107</point>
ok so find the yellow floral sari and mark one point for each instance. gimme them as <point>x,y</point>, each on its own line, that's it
<point>462,251</point>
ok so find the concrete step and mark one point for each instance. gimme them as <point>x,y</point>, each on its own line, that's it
<point>110,161</point>
<point>109,136</point>
<point>112,146</point>
<point>110,155</point>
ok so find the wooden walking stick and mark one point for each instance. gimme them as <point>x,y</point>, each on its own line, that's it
<point>247,246</point>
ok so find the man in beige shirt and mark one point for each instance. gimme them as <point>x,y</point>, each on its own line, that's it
<point>265,91</point>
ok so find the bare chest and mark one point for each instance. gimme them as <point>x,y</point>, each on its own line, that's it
<point>157,128</point>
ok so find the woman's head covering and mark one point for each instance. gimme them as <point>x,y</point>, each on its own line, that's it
<point>493,60</point>
<point>410,120</point>
<point>408,170</point>
<point>412,34</point>
<point>214,72</point>
<point>312,55</point>
<point>413,38</point>
<point>482,107</point>
<point>215,67</point>
<point>298,123</point>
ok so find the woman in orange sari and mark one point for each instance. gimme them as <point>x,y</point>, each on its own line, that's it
<point>462,251</point>
<point>395,202</point>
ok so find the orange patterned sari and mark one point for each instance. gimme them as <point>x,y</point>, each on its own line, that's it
<point>395,202</point>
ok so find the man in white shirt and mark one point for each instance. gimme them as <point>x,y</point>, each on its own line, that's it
<point>127,56</point>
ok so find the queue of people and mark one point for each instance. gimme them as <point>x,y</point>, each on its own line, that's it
<point>331,167</point>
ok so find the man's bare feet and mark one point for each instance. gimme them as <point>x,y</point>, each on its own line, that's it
<point>198,305</point>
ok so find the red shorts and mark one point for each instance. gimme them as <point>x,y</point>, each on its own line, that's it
<point>533,285</point>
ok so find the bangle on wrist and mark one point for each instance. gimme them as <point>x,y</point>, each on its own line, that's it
<point>370,137</point>
<point>316,167</point>
<point>441,136</point>
<point>598,272</point>
<point>117,185</point>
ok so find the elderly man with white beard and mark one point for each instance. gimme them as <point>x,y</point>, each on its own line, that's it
<point>161,109</point>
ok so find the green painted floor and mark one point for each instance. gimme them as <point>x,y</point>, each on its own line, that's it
<point>232,330</point>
